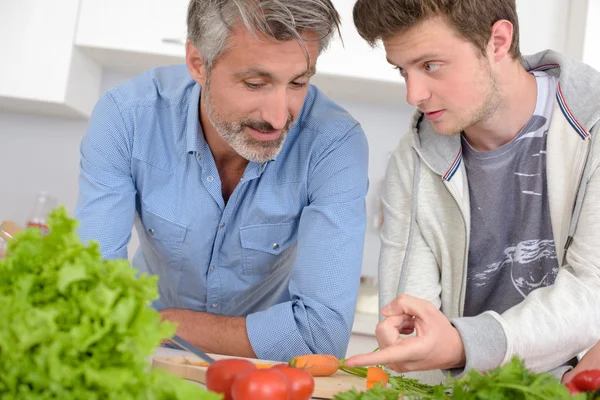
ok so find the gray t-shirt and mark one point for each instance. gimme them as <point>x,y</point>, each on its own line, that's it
<point>511,252</point>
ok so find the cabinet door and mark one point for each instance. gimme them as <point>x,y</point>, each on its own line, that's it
<point>352,56</point>
<point>43,28</point>
<point>39,71</point>
<point>133,34</point>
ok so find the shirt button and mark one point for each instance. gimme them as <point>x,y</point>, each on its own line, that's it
<point>212,267</point>
<point>151,232</point>
<point>275,246</point>
<point>213,306</point>
<point>210,178</point>
<point>221,225</point>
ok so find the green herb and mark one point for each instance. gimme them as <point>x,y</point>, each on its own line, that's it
<point>510,381</point>
<point>377,393</point>
<point>75,326</point>
<point>407,387</point>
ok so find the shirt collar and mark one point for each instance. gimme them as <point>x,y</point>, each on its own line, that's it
<point>194,135</point>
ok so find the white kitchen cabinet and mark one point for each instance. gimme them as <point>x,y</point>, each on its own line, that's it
<point>41,71</point>
<point>133,35</point>
<point>136,35</point>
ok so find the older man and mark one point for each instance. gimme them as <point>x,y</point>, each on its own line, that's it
<point>246,184</point>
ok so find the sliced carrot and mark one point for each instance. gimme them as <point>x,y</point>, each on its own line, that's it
<point>197,363</point>
<point>376,375</point>
<point>316,364</point>
<point>263,366</point>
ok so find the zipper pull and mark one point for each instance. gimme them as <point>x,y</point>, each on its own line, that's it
<point>568,243</point>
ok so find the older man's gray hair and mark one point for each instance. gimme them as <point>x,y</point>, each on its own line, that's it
<point>211,21</point>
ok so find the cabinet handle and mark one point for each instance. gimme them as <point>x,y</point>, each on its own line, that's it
<point>177,41</point>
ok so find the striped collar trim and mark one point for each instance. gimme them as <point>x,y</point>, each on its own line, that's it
<point>454,167</point>
<point>563,104</point>
<point>569,115</point>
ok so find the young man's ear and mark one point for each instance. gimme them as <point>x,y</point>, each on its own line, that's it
<point>195,63</point>
<point>501,39</point>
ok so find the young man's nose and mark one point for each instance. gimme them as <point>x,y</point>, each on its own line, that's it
<point>416,91</point>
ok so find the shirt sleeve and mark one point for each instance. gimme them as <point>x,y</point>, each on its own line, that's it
<point>106,202</point>
<point>325,279</point>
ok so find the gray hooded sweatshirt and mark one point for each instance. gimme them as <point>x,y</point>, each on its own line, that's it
<point>425,236</point>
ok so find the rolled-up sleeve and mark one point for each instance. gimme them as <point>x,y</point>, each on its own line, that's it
<point>326,276</point>
<point>106,202</point>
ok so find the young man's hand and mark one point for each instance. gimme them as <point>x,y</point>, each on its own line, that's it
<point>591,360</point>
<point>436,344</point>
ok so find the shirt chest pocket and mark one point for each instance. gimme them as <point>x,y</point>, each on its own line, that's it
<point>264,246</point>
<point>165,238</point>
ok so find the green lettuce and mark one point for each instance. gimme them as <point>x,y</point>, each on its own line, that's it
<point>75,326</point>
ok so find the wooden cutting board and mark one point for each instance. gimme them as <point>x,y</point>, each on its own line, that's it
<point>325,387</point>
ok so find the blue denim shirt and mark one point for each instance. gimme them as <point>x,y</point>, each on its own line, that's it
<point>286,249</point>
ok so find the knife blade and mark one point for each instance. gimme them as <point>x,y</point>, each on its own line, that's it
<point>184,344</point>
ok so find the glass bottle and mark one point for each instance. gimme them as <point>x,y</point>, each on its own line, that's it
<point>39,214</point>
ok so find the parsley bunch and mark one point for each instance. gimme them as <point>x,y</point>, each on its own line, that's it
<point>510,381</point>
<point>75,326</point>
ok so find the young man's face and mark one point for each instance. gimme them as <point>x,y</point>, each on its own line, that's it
<point>446,77</point>
<point>256,90</point>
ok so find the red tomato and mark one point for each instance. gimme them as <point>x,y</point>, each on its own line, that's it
<point>263,384</point>
<point>572,388</point>
<point>221,373</point>
<point>301,383</point>
<point>587,381</point>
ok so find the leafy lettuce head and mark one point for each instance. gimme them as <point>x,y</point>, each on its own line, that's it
<point>75,326</point>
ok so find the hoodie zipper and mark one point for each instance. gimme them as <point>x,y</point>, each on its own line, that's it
<point>461,298</point>
<point>569,237</point>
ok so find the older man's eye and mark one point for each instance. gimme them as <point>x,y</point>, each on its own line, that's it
<point>298,85</point>
<point>251,85</point>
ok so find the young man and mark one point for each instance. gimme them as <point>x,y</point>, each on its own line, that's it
<point>245,183</point>
<point>492,211</point>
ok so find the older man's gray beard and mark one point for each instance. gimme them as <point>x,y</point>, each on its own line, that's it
<point>237,137</point>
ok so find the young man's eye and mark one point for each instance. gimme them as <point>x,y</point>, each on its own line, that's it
<point>251,85</point>
<point>432,67</point>
<point>401,71</point>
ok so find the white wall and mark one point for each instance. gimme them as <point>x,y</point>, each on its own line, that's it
<point>591,50</point>
<point>42,153</point>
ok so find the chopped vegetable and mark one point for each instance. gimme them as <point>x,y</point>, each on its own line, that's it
<point>75,326</point>
<point>587,381</point>
<point>376,375</point>
<point>316,364</point>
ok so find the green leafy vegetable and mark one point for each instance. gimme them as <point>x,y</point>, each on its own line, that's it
<point>510,381</point>
<point>377,393</point>
<point>75,326</point>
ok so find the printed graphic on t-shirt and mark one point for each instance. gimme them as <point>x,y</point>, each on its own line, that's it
<point>522,260</point>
